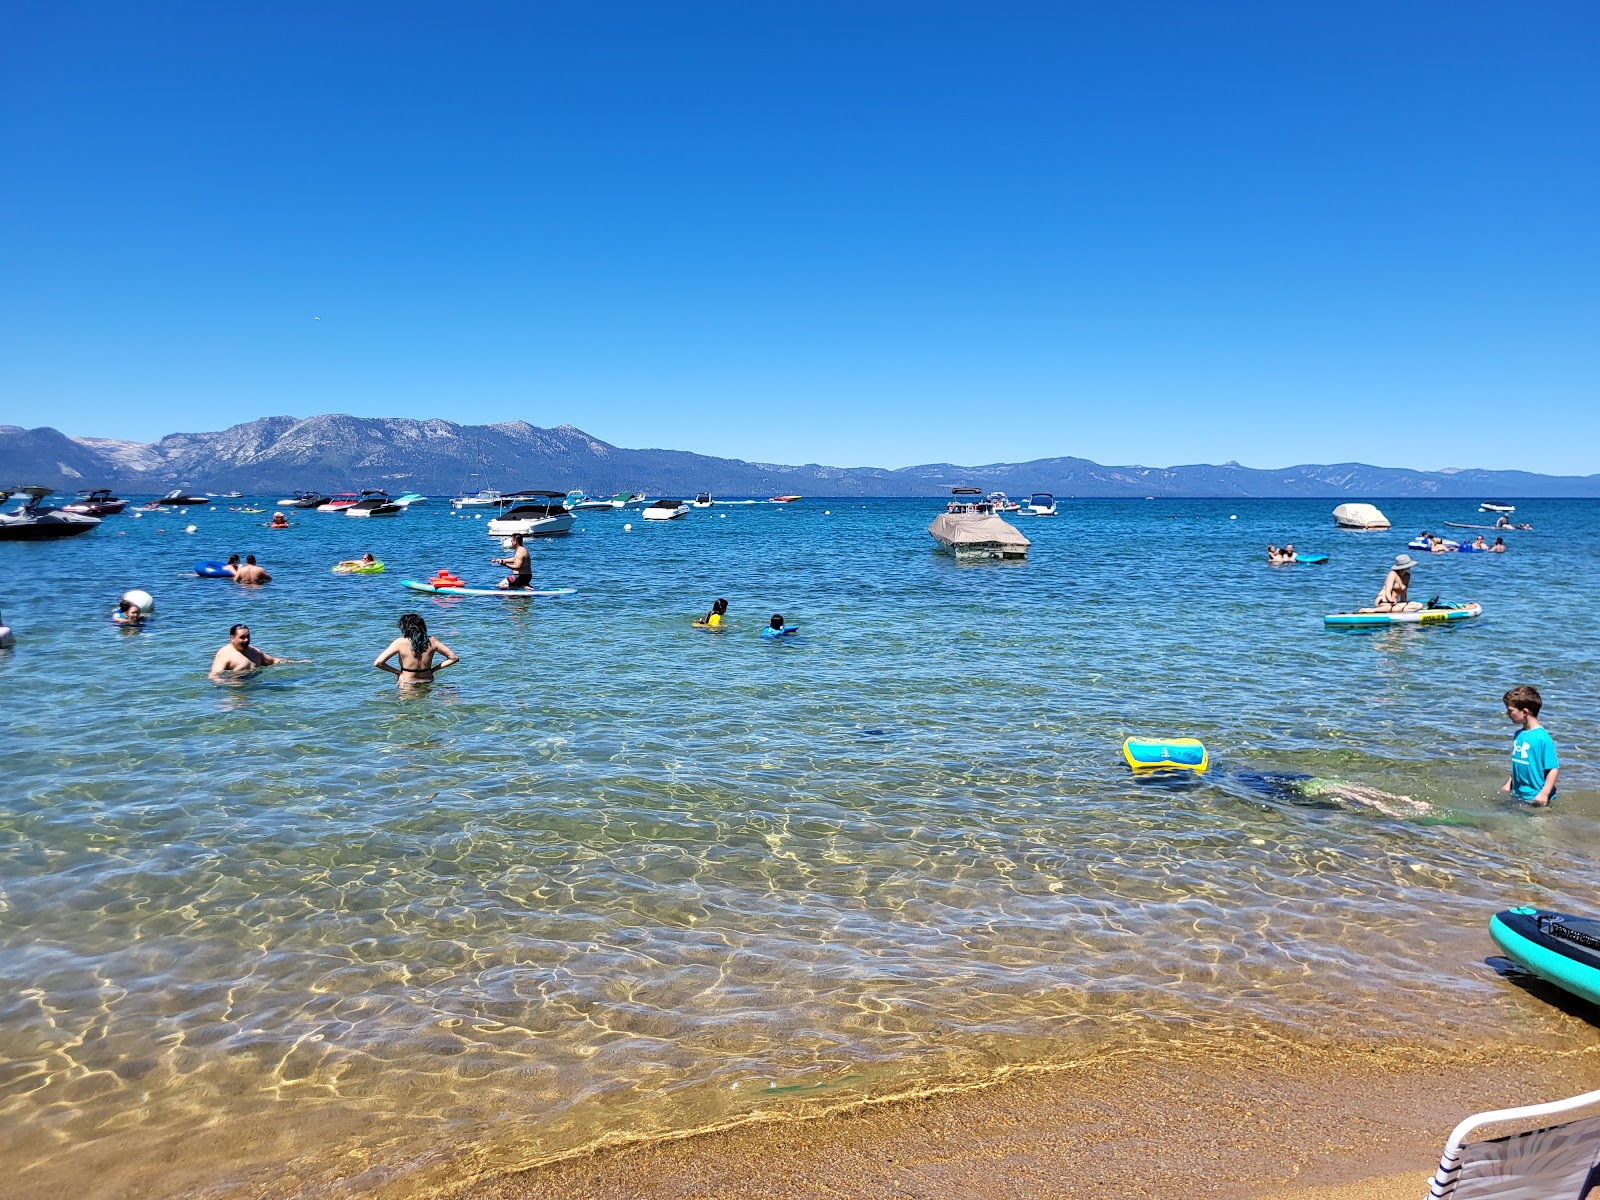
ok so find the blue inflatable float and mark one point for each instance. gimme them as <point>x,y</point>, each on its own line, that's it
<point>212,570</point>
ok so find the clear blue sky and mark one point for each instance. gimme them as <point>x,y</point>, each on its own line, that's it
<point>855,233</point>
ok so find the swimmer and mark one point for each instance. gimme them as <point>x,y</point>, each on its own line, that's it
<point>351,564</point>
<point>249,574</point>
<point>521,567</point>
<point>239,657</point>
<point>128,614</point>
<point>232,565</point>
<point>1479,544</point>
<point>777,629</point>
<point>415,650</point>
<point>1499,546</point>
<point>1392,596</point>
<point>279,521</point>
<point>713,619</point>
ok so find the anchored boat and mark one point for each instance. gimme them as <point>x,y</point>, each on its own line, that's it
<point>32,521</point>
<point>969,528</point>
<point>534,513</point>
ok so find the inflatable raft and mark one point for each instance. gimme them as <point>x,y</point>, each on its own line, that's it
<point>1419,616</point>
<point>523,593</point>
<point>1558,948</point>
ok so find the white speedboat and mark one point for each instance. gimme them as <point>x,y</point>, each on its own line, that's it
<point>409,499</point>
<point>969,528</point>
<point>665,510</point>
<point>488,498</point>
<point>1040,504</point>
<point>232,496</point>
<point>588,503</point>
<point>534,514</point>
<point>338,502</point>
<point>32,521</point>
<point>627,499</point>
<point>1002,503</point>
<point>703,500</point>
<point>1495,506</point>
<point>374,504</point>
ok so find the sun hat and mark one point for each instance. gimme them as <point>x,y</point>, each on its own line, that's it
<point>1404,562</point>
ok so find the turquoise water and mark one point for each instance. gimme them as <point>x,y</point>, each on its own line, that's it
<point>615,877</point>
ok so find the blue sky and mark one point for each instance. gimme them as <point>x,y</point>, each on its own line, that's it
<point>865,233</point>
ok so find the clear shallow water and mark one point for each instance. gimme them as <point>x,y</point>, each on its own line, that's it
<point>613,876</point>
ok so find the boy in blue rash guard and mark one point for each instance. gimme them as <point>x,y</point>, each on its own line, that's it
<point>1534,766</point>
<point>777,629</point>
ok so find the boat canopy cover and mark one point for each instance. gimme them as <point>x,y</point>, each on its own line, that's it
<point>1360,516</point>
<point>977,531</point>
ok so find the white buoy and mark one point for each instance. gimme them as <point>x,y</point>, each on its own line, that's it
<point>627,527</point>
<point>143,601</point>
<point>1235,517</point>
<point>190,529</point>
<point>724,516</point>
<point>136,516</point>
<point>827,512</point>
<point>6,640</point>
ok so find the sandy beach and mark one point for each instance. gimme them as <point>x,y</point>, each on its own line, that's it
<point>1257,1121</point>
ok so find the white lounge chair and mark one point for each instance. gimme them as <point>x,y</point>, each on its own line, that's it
<point>1559,1162</point>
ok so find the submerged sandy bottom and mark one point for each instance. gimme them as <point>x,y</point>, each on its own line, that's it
<point>1241,1120</point>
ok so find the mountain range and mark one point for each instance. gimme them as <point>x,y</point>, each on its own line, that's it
<point>342,453</point>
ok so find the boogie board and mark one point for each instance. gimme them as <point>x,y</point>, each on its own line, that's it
<point>522,593</point>
<point>1420,616</point>
<point>1561,949</point>
<point>1311,558</point>
<point>1174,754</point>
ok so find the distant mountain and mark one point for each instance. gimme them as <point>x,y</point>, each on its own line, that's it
<point>338,453</point>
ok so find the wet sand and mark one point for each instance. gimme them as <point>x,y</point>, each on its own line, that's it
<point>1255,1121</point>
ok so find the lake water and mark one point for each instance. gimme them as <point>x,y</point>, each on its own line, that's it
<point>615,877</point>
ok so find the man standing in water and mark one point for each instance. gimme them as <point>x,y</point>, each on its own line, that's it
<point>239,657</point>
<point>1392,597</point>
<point>521,566</point>
<point>250,573</point>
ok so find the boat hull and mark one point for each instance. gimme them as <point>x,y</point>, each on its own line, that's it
<point>531,527</point>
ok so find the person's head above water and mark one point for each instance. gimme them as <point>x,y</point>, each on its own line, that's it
<point>368,558</point>
<point>250,560</point>
<point>777,621</point>
<point>239,635</point>
<point>415,628</point>
<point>233,560</point>
<point>719,606</point>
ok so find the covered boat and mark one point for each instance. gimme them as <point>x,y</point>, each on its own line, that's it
<point>969,528</point>
<point>1360,516</point>
<point>374,503</point>
<point>304,500</point>
<point>665,510</point>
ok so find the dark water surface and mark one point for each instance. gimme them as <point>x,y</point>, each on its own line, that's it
<point>615,876</point>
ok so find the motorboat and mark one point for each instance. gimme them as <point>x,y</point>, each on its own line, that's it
<point>703,500</point>
<point>665,510</point>
<point>179,496</point>
<point>1040,504</point>
<point>407,499</point>
<point>338,502</point>
<point>782,499</point>
<point>1003,503</point>
<point>487,498</point>
<point>374,503</point>
<point>304,500</point>
<point>534,513</point>
<point>31,521</point>
<point>628,499</point>
<point>1496,507</point>
<point>970,528</point>
<point>98,503</point>
<point>233,495</point>
<point>1359,516</point>
<point>584,503</point>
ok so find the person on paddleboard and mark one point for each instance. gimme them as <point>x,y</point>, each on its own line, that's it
<point>415,649</point>
<point>521,567</point>
<point>1392,596</point>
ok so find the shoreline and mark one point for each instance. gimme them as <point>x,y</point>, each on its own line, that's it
<point>1238,1121</point>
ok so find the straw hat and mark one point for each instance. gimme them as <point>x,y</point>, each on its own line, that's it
<point>1404,562</point>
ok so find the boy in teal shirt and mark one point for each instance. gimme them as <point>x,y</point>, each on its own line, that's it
<point>1534,766</point>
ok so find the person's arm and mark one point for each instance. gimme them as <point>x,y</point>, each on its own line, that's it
<point>382,661</point>
<point>450,658</point>
<point>1543,797</point>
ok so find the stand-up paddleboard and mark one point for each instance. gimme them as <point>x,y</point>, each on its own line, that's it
<point>1311,558</point>
<point>522,593</point>
<point>1561,949</point>
<point>1420,616</point>
<point>1491,528</point>
<point>1173,754</point>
